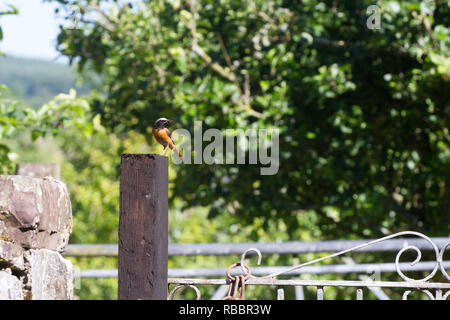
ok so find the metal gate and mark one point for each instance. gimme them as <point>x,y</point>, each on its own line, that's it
<point>236,282</point>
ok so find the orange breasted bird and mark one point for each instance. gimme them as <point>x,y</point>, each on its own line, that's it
<point>163,135</point>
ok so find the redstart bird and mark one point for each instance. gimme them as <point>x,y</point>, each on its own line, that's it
<point>163,135</point>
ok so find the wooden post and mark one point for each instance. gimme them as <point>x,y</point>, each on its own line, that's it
<point>39,170</point>
<point>143,227</point>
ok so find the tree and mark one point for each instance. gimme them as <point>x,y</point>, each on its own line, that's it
<point>65,110</point>
<point>6,10</point>
<point>363,113</point>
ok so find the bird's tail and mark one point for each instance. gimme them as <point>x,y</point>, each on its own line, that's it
<point>179,154</point>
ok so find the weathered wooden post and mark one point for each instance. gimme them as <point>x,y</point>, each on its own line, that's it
<point>143,227</point>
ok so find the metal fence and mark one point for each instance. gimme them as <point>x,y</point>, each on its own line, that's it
<point>232,284</point>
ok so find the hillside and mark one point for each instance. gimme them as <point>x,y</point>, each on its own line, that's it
<point>37,81</point>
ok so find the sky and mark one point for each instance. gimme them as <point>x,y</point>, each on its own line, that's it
<point>32,33</point>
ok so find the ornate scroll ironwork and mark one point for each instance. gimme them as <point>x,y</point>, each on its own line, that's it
<point>197,291</point>
<point>410,284</point>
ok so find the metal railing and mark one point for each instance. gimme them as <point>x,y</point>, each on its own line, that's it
<point>235,283</point>
<point>288,247</point>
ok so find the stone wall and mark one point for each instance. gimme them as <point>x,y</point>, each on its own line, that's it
<point>35,225</point>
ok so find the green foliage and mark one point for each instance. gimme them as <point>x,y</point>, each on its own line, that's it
<point>64,111</point>
<point>35,82</point>
<point>5,10</point>
<point>8,124</point>
<point>364,114</point>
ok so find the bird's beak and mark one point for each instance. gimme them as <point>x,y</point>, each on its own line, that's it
<point>169,121</point>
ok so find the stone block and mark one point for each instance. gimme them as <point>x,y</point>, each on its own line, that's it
<point>35,212</point>
<point>11,256</point>
<point>50,276</point>
<point>10,286</point>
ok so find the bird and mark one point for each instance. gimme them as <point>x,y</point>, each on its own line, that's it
<point>163,135</point>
